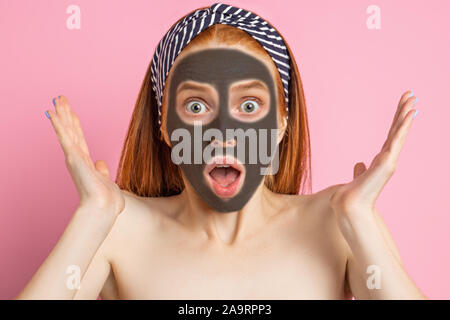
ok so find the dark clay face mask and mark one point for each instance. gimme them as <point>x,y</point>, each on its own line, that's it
<point>224,188</point>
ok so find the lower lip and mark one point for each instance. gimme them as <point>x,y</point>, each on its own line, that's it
<point>228,191</point>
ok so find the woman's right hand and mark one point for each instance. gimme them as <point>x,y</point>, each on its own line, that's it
<point>92,181</point>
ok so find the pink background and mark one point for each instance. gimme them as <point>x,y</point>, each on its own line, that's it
<point>353,78</point>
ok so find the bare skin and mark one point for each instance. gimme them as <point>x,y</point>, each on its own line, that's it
<point>289,248</point>
<point>278,246</point>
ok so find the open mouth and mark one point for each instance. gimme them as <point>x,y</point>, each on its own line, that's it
<point>225,176</point>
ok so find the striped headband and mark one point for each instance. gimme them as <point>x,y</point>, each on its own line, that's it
<point>185,30</point>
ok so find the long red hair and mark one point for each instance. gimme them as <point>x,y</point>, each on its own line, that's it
<point>145,166</point>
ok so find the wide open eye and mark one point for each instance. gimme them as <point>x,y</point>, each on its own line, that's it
<point>249,106</point>
<point>196,107</point>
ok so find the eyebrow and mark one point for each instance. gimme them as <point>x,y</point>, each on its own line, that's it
<point>256,84</point>
<point>191,86</point>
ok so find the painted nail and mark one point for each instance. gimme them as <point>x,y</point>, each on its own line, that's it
<point>53,101</point>
<point>412,93</point>
<point>415,114</point>
<point>47,115</point>
<point>415,101</point>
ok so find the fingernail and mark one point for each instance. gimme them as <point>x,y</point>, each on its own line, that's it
<point>53,101</point>
<point>412,93</point>
<point>415,101</point>
<point>47,115</point>
<point>415,114</point>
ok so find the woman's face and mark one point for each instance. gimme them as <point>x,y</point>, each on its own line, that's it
<point>221,121</point>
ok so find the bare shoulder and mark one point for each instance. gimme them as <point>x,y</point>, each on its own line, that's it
<point>313,220</point>
<point>313,214</point>
<point>319,208</point>
<point>144,215</point>
<point>315,204</point>
<point>133,231</point>
<point>319,202</point>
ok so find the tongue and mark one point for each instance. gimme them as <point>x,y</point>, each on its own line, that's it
<point>224,176</point>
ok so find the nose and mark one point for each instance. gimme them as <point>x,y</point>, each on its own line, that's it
<point>217,143</point>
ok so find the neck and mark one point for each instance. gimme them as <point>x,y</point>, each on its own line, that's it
<point>227,228</point>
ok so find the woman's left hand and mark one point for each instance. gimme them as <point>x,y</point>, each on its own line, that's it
<point>356,198</point>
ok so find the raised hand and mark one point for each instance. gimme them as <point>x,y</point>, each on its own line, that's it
<point>359,195</point>
<point>94,186</point>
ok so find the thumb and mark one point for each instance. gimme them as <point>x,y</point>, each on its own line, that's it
<point>101,166</point>
<point>358,169</point>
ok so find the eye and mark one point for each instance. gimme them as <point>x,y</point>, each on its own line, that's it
<point>196,107</point>
<point>249,106</point>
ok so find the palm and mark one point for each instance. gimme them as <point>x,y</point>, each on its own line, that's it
<point>91,180</point>
<point>364,189</point>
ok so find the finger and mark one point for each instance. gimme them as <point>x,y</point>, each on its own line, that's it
<point>405,96</point>
<point>359,169</point>
<point>61,133</point>
<point>405,108</point>
<point>61,111</point>
<point>102,167</point>
<point>400,135</point>
<point>409,104</point>
<point>79,133</point>
<point>71,122</point>
<point>63,103</point>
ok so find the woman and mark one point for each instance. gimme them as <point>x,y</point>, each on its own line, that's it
<point>218,229</point>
